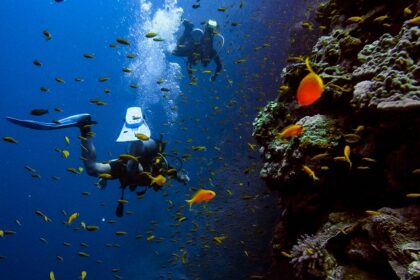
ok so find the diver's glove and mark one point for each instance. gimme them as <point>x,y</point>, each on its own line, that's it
<point>213,78</point>
<point>101,184</point>
<point>187,24</point>
<point>182,176</point>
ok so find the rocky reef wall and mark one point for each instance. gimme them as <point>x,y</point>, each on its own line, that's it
<point>357,215</point>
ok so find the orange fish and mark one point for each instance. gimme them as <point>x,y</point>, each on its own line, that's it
<point>310,88</point>
<point>290,131</point>
<point>200,196</point>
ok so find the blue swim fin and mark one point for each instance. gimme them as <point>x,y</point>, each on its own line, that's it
<point>72,121</point>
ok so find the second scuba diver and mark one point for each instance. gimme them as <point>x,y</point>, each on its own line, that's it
<point>198,46</point>
<point>145,164</point>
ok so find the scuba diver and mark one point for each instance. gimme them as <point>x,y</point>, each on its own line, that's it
<point>199,46</point>
<point>143,166</point>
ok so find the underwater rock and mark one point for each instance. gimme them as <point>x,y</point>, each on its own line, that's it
<point>311,260</point>
<point>390,238</point>
<point>388,76</point>
<point>395,233</point>
<point>336,47</point>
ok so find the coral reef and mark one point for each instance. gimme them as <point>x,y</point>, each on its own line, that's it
<point>390,236</point>
<point>390,73</point>
<point>357,150</point>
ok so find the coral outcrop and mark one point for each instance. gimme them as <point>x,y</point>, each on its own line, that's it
<point>344,181</point>
<point>390,72</point>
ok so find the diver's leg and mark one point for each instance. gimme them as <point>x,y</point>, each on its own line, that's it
<point>92,167</point>
<point>183,42</point>
<point>119,211</point>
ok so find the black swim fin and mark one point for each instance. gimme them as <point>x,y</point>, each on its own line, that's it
<point>72,121</point>
<point>120,210</point>
<point>140,193</point>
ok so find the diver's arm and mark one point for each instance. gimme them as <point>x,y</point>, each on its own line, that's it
<point>219,67</point>
<point>182,176</point>
<point>92,167</point>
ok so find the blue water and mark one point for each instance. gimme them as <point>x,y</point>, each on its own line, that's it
<point>216,115</point>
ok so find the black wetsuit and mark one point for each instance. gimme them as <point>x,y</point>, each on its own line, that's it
<point>198,54</point>
<point>128,173</point>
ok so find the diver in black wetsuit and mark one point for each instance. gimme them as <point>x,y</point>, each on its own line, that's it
<point>197,46</point>
<point>143,164</point>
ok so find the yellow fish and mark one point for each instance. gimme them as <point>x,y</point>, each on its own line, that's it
<point>159,180</point>
<point>105,176</point>
<point>142,136</point>
<point>92,228</point>
<point>239,61</point>
<point>150,34</point>
<point>198,148</point>
<point>310,172</point>
<point>381,18</point>
<point>1,233</point>
<point>83,275</point>
<point>201,195</point>
<point>52,277</point>
<point>65,153</point>
<point>414,21</point>
<point>351,138</point>
<point>72,218</point>
<point>42,215</point>
<point>83,254</point>
<point>373,212</point>
<point>127,157</point>
<point>60,80</point>
<point>307,25</point>
<point>347,154</point>
<point>355,19</point>
<point>219,239</point>
<point>252,146</point>
<point>320,156</point>
<point>10,139</point>
<point>407,11</point>
<point>285,254</point>
<point>122,41</point>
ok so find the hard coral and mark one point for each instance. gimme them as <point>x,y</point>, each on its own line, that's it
<point>311,259</point>
<point>388,76</point>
